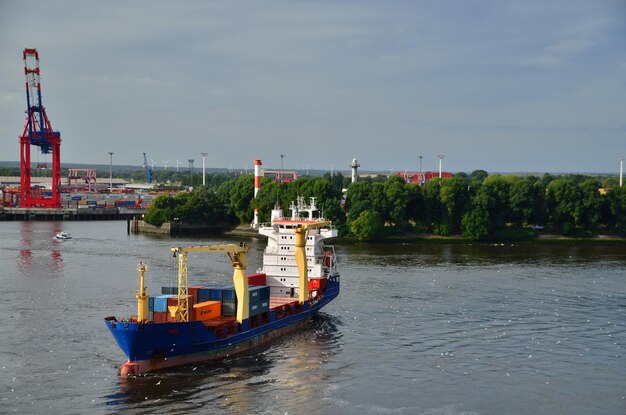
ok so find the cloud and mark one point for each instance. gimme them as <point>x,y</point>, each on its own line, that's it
<point>10,99</point>
<point>125,80</point>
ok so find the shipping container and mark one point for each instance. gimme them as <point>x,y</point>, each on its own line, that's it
<point>150,304</point>
<point>169,290</point>
<point>170,318</point>
<point>159,317</point>
<point>228,294</point>
<point>193,291</point>
<point>207,310</point>
<point>215,294</point>
<point>204,294</point>
<point>317,283</point>
<point>223,293</point>
<point>259,293</point>
<point>160,302</point>
<point>229,308</point>
<point>256,279</point>
<point>172,301</point>
<point>259,307</point>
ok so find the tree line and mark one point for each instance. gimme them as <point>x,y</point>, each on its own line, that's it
<point>477,206</point>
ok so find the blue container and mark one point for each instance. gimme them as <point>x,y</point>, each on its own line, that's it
<point>150,304</point>
<point>204,294</point>
<point>222,294</point>
<point>160,302</point>
<point>259,293</point>
<point>254,294</point>
<point>229,308</point>
<point>169,290</point>
<point>228,294</point>
<point>259,307</point>
<point>215,294</point>
<point>91,202</point>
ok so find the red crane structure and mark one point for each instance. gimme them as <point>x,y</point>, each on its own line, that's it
<point>38,132</point>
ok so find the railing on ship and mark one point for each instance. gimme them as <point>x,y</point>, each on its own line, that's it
<point>270,225</point>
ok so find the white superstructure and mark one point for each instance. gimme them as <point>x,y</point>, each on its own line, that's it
<point>279,262</point>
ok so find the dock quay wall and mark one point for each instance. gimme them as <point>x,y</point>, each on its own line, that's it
<point>42,214</point>
<point>173,228</point>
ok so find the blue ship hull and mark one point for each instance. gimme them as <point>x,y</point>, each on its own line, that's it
<point>154,346</point>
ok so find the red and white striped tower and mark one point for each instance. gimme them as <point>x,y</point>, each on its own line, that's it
<point>257,186</point>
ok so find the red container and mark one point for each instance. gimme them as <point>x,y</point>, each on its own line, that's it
<point>170,319</point>
<point>173,301</point>
<point>317,283</point>
<point>256,279</point>
<point>160,317</point>
<point>193,291</point>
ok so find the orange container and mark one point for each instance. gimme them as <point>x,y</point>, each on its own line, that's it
<point>207,310</point>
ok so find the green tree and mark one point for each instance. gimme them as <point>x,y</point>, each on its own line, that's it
<point>416,207</point>
<point>475,224</point>
<point>495,191</point>
<point>563,201</point>
<point>592,203</point>
<point>434,215</point>
<point>396,195</point>
<point>454,195</point>
<point>161,210</point>
<point>526,201</point>
<point>358,199</point>
<point>367,227</point>
<point>241,194</point>
<point>616,201</point>
<point>479,175</point>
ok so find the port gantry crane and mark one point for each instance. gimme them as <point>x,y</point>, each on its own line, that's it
<point>38,132</point>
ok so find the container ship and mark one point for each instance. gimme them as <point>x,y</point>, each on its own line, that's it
<point>190,324</point>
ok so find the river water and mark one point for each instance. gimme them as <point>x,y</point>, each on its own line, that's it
<point>418,329</point>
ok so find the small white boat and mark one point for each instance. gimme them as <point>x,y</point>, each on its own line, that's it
<point>63,235</point>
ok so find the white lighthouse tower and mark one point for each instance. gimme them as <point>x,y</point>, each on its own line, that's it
<point>355,165</point>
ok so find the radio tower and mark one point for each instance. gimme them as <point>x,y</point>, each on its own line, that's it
<point>38,132</point>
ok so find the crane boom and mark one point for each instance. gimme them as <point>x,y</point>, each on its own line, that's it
<point>148,169</point>
<point>237,256</point>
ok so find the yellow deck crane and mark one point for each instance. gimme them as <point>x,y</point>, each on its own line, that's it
<point>300,253</point>
<point>142,294</point>
<point>237,256</point>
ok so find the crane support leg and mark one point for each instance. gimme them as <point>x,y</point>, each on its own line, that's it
<point>243,295</point>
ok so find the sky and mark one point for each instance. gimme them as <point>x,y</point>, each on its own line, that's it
<point>502,86</point>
